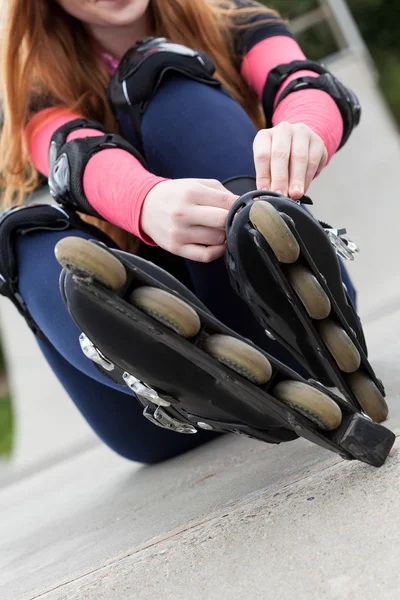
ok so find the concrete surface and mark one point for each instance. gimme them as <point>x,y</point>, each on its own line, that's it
<point>298,541</point>
<point>237,518</point>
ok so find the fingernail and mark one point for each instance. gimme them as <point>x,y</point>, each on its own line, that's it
<point>296,190</point>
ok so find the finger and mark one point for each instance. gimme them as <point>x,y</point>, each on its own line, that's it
<point>298,164</point>
<point>317,159</point>
<point>262,159</point>
<point>203,254</point>
<point>208,216</point>
<point>205,235</point>
<point>280,155</point>
<point>218,198</point>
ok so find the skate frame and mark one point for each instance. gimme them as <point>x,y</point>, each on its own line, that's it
<point>356,438</point>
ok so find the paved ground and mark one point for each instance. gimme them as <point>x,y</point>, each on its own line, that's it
<point>236,519</point>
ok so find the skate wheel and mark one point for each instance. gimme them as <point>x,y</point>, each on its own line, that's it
<point>369,397</point>
<point>310,402</point>
<point>239,357</point>
<point>104,267</point>
<point>310,291</point>
<point>340,346</point>
<point>167,309</point>
<point>267,220</point>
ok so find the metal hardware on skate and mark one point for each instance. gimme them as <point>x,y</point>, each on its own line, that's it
<point>143,390</point>
<point>91,352</point>
<point>269,334</point>
<point>344,247</point>
<point>205,426</point>
<point>159,417</point>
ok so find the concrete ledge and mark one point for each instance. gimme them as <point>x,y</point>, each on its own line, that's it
<point>325,536</point>
<point>232,519</point>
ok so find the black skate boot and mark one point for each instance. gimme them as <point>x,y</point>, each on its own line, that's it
<point>146,330</point>
<point>284,263</point>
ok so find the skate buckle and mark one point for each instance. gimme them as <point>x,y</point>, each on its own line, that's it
<point>270,335</point>
<point>159,417</point>
<point>143,390</point>
<point>205,426</point>
<point>345,248</point>
<point>93,354</point>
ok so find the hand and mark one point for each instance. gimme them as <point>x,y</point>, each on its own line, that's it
<point>287,157</point>
<point>187,217</point>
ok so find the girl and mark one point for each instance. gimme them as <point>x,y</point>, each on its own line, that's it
<point>161,195</point>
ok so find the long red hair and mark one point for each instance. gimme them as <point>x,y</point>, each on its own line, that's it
<point>48,53</point>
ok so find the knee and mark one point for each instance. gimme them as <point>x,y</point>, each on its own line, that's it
<point>191,129</point>
<point>182,102</point>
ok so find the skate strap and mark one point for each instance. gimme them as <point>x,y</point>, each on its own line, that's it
<point>20,221</point>
<point>24,220</point>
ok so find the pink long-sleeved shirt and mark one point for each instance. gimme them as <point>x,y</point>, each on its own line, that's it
<point>116,184</point>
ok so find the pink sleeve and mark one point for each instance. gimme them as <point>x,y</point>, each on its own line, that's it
<point>115,183</point>
<point>314,108</point>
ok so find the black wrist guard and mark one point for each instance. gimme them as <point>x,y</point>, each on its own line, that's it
<point>346,101</point>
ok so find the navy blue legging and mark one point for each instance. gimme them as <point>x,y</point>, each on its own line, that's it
<point>189,130</point>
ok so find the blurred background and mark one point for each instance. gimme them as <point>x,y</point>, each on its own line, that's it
<point>360,41</point>
<point>377,21</point>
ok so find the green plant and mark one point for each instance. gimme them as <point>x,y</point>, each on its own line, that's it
<point>6,427</point>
